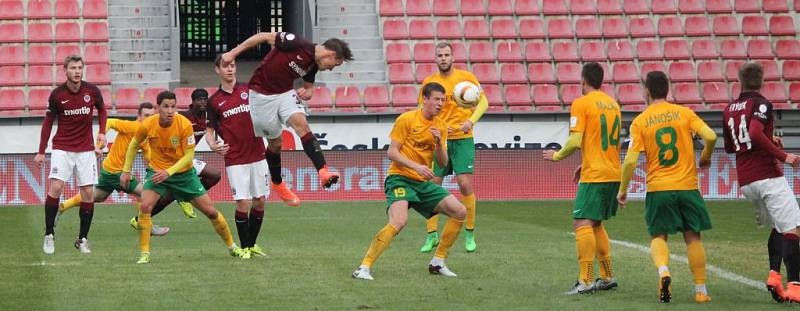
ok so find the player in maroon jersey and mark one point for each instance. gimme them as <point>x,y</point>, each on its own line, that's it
<point>74,151</point>
<point>229,118</point>
<point>748,125</point>
<point>274,102</point>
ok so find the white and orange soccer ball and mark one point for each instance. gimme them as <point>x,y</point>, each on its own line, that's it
<point>466,94</point>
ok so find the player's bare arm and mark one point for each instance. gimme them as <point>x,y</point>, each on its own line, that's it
<point>441,150</point>
<point>214,145</point>
<point>395,155</point>
<point>253,41</point>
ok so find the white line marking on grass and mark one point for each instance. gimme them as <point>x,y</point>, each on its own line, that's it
<point>44,263</point>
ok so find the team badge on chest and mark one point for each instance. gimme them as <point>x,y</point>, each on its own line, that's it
<point>87,98</point>
<point>174,140</point>
<point>243,95</point>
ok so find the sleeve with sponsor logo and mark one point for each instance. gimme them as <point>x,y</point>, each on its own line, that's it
<point>187,136</point>
<point>400,129</point>
<point>287,41</point>
<point>577,117</point>
<point>762,111</point>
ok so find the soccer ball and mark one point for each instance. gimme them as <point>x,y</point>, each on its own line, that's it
<point>466,94</point>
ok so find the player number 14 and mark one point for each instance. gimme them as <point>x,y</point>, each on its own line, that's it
<point>607,138</point>
<point>743,137</point>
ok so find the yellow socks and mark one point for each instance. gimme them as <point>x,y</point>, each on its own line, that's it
<point>379,243</point>
<point>145,224</point>
<point>697,261</point>
<point>70,203</point>
<point>433,223</point>
<point>449,235</point>
<point>603,251</point>
<point>221,227</point>
<point>469,202</point>
<point>585,243</point>
<point>659,251</point>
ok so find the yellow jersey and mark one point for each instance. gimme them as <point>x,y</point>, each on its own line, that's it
<point>664,133</point>
<point>451,113</point>
<point>598,117</point>
<point>412,131</point>
<point>167,144</point>
<point>116,155</point>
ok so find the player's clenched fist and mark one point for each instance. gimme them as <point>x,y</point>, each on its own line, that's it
<point>548,154</point>
<point>436,134</point>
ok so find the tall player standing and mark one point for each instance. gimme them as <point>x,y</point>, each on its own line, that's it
<point>229,117</point>
<point>460,143</point>
<point>748,123</point>
<point>275,102</point>
<point>74,151</point>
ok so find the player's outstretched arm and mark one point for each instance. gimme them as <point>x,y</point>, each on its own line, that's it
<point>397,157</point>
<point>573,144</point>
<point>480,109</point>
<point>253,41</point>
<point>628,166</point>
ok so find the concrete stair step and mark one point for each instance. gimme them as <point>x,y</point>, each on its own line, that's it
<point>345,19</point>
<point>368,55</point>
<point>142,44</point>
<point>130,11</point>
<point>336,9</point>
<point>140,33</point>
<point>138,22</point>
<point>360,43</point>
<point>140,66</point>
<point>142,85</point>
<point>135,56</point>
<point>113,3</point>
<point>362,65</point>
<point>141,76</point>
<point>348,77</point>
<point>344,32</point>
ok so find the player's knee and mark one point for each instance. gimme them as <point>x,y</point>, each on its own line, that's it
<point>465,188</point>
<point>209,211</point>
<point>259,203</point>
<point>275,145</point>
<point>210,179</point>
<point>398,224</point>
<point>459,212</point>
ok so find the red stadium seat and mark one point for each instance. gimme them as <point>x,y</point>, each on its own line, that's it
<point>620,50</point>
<point>348,97</point>
<point>404,96</point>
<point>715,92</point>
<point>391,8</point>
<point>472,8</point>
<point>423,71</point>
<point>568,73</point>
<point>532,29</point>
<point>697,26</point>
<point>593,51</point>
<point>625,73</point>
<point>184,96</point>
<point>97,54</point>
<point>704,49</point>
<point>541,73</point>
<point>95,32</point>
<point>11,9</point>
<point>401,73</point>
<point>130,98</point>
<point>40,55</point>
<point>609,7</point>
<point>62,51</point>
<point>445,8</point>
<point>588,28</point>
<point>459,51</point>
<point>732,49</point>
<point>648,50</point>
<point>500,7</point>
<point>495,97</point>
<point>105,92</point>
<point>615,28</point>
<point>400,53</point>
<point>395,29</point>
<point>648,67</point>
<point>787,49</point>
<point>636,7</point>
<point>518,95</point>
<point>732,70</point>
<point>545,95</point>
<point>513,73</point>
<point>98,73</point>
<point>554,7</point>
<point>774,91</point>
<point>770,69</point>
<point>695,107</point>
<point>509,52</point>
<point>418,7</point>
<point>719,6</point>
<point>424,52</point>
<point>504,29</point>
<point>67,9</point>
<point>448,29</point>
<point>565,51</point>
<point>691,7</point>
<point>570,92</point>
<point>12,32</point>
<point>710,71</point>
<point>322,100</point>
<point>794,92</point>
<point>758,48</point>
<point>560,28</point>
<point>61,73</point>
<point>630,94</point>
<point>676,49</point>
<point>775,6</point>
<point>754,25</point>
<point>420,29</point>
<point>476,29</point>
<point>481,52</point>
<point>13,54</point>
<point>726,25</point>
<point>13,99</point>
<point>151,93</point>
<point>797,5</point>
<point>40,75</point>
<point>670,26</point>
<point>376,98</point>
<point>40,9</point>
<point>582,7</point>
<point>526,7</point>
<point>40,32</point>
<point>537,52</point>
<point>781,25</point>
<point>682,72</point>
<point>791,70</point>
<point>38,99</point>
<point>664,7</point>
<point>95,9</point>
<point>486,73</point>
<point>642,27</point>
<point>68,32</point>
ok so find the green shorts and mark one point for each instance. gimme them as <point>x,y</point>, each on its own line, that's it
<point>461,153</point>
<point>109,182</point>
<point>596,201</point>
<point>184,186</point>
<point>668,212</point>
<point>423,196</point>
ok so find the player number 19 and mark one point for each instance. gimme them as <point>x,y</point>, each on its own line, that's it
<point>743,137</point>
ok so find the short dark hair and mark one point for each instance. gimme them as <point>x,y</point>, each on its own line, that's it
<point>199,93</point>
<point>751,76</point>
<point>164,95</point>
<point>340,47</point>
<point>592,73</point>
<point>657,84</point>
<point>429,88</point>
<point>145,105</point>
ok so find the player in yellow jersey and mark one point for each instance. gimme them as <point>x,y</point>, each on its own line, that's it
<point>595,122</point>
<point>673,203</point>
<point>171,142</point>
<point>418,138</point>
<point>460,143</point>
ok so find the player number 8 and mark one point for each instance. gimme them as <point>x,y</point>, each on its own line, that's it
<point>663,147</point>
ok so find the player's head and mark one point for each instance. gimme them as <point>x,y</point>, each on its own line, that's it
<point>167,105</point>
<point>591,76</point>
<point>432,98</point>
<point>336,53</point>
<point>146,110</point>
<point>73,67</point>
<point>199,100</point>
<point>751,76</point>
<point>444,56</point>
<point>226,73</point>
<point>656,85</point>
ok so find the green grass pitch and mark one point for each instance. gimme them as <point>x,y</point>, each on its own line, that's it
<point>525,260</point>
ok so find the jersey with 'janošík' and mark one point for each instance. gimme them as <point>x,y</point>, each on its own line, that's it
<point>291,58</point>
<point>412,131</point>
<point>167,144</point>
<point>229,116</point>
<point>451,113</point>
<point>598,117</point>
